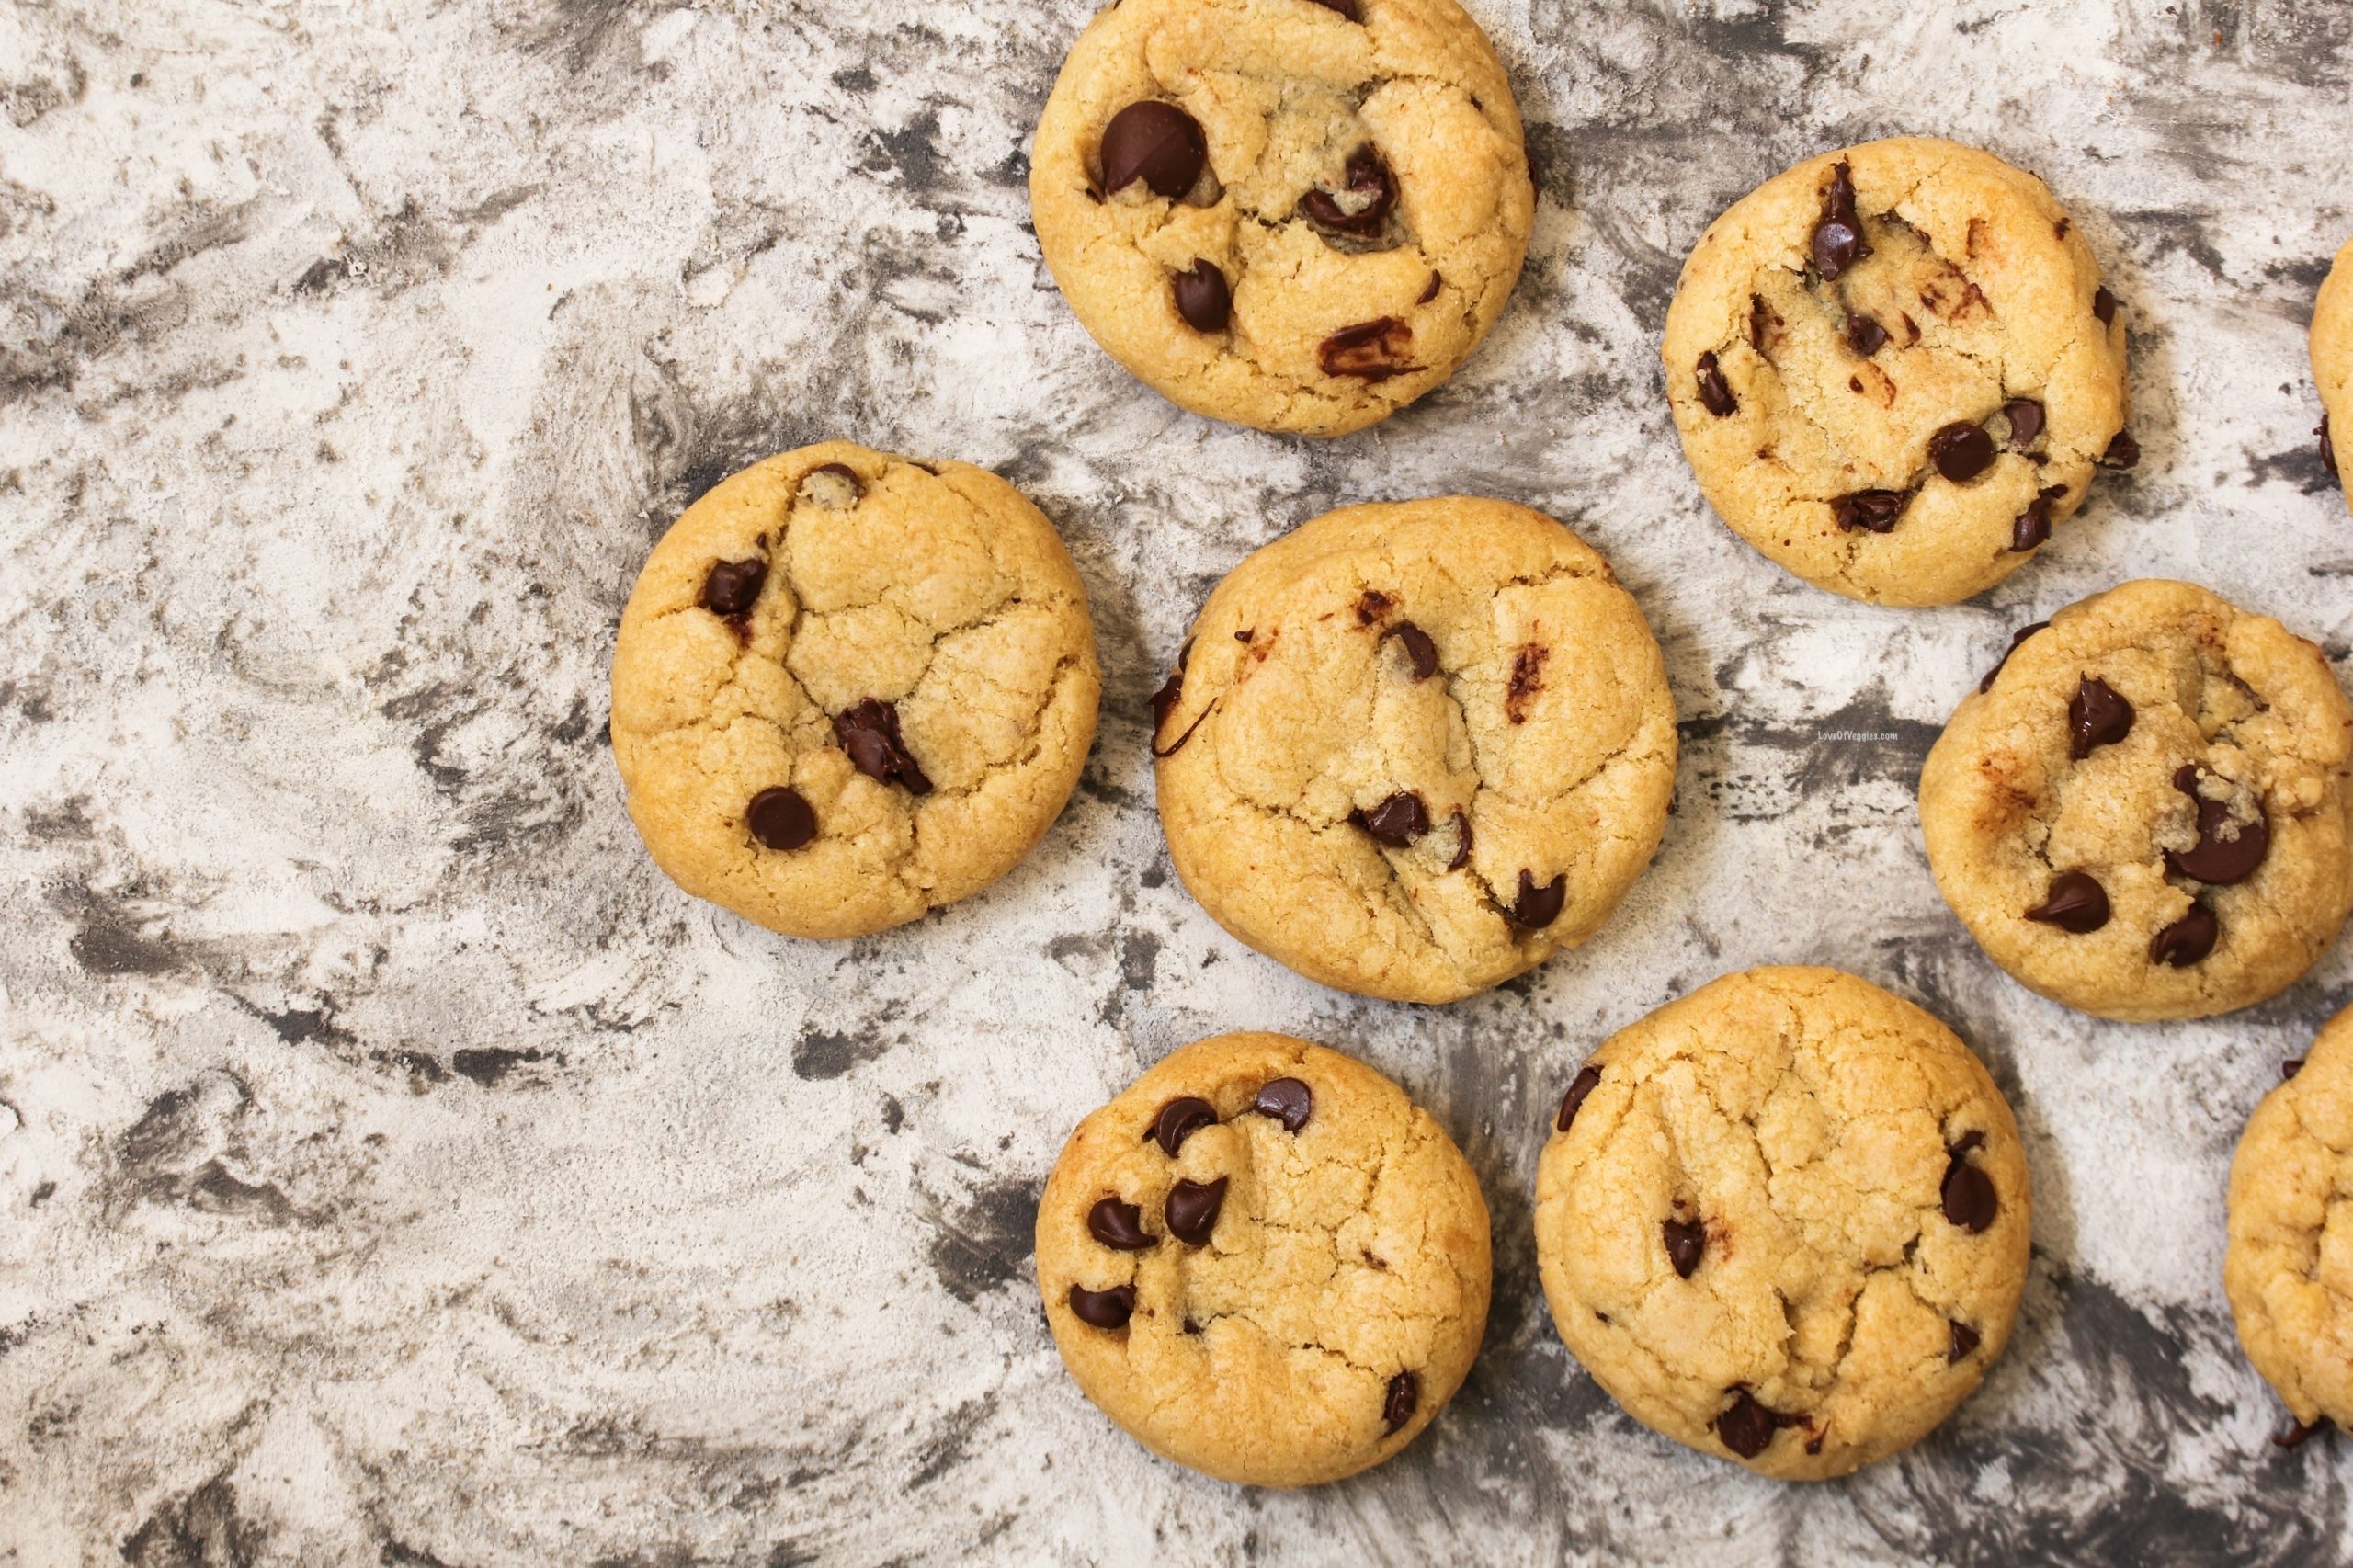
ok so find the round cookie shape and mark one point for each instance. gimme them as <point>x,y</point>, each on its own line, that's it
<point>1414,748</point>
<point>1894,369</point>
<point>1785,1221</point>
<point>1296,214</point>
<point>2332,349</point>
<point>2289,1270</point>
<point>2147,811</point>
<point>851,689</point>
<point>1264,1262</point>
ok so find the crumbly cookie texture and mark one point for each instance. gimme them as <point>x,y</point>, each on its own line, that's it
<point>1414,748</point>
<point>2333,361</point>
<point>1315,217</point>
<point>1785,1221</point>
<point>2290,1267</point>
<point>1264,1262</point>
<point>1894,369</point>
<point>851,689</point>
<point>2147,813</point>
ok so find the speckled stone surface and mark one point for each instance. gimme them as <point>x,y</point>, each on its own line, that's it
<point>395,1168</point>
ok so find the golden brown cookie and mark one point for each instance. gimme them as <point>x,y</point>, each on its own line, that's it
<point>851,689</point>
<point>1785,1220</point>
<point>1264,1262</point>
<point>2333,358</point>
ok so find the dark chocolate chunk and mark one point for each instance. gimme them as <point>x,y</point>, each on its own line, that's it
<point>2124,452</point>
<point>2098,715</point>
<point>1838,236</point>
<point>1747,1427</point>
<point>1397,1406</point>
<point>2033,526</point>
<point>1684,1240</point>
<point>732,586</point>
<point>1430,292</point>
<point>870,733</point>
<point>1397,821</point>
<point>1179,1119</point>
<point>1588,1078</point>
<point>1968,1195</point>
<point>2026,421</point>
<point>1715,392</point>
<point>1117,1225</point>
<point>2103,305</point>
<point>2076,903</point>
<point>1419,648</point>
<point>780,818</point>
<point>1202,297</point>
<point>2291,1067</point>
<point>1961,451</point>
<point>1157,142</point>
<point>2216,857</point>
<point>1964,1340</point>
<point>1537,907</point>
<point>2020,635</point>
<point>1462,844</point>
<point>1192,1210</point>
<point>1873,510</point>
<point>1864,335</point>
<point>2327,449</point>
<point>1288,1100</point>
<point>1103,1309</point>
<point>1367,193</point>
<point>1370,351</point>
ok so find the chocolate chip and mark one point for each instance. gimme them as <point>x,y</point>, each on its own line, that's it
<point>2026,421</point>
<point>1462,843</point>
<point>870,733</point>
<point>2103,305</point>
<point>1961,451</point>
<point>1747,1427</point>
<point>1179,1119</point>
<point>780,818</point>
<point>1165,700</point>
<point>2297,1431</point>
<point>2020,635</point>
<point>1371,605</point>
<point>2215,858</point>
<point>732,586</point>
<point>2327,449</point>
<point>1192,1210</point>
<point>2032,526</point>
<point>1103,1309</point>
<point>1117,1225</point>
<point>1715,392</point>
<point>1968,1195</point>
<point>2076,903</point>
<point>1874,510</point>
<point>2124,452</point>
<point>1964,1340</point>
<point>2098,715</point>
<point>1366,194</point>
<point>1370,351</point>
<point>2291,1067</point>
<point>1588,1078</point>
<point>1288,1100</point>
<point>1419,648</point>
<point>1526,680</point>
<point>1684,1241</point>
<point>1761,320</point>
<point>1349,9</point>
<point>1397,1407</point>
<point>1537,907</point>
<point>1397,821</point>
<point>1157,142</point>
<point>1430,292</point>
<point>1838,236</point>
<point>836,486</point>
<point>1203,298</point>
<point>1864,335</point>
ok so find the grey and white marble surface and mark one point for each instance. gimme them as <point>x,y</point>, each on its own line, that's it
<point>394,1168</point>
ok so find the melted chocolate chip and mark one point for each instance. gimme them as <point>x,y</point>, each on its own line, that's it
<point>1371,605</point>
<point>732,586</point>
<point>1179,1119</point>
<point>2076,903</point>
<point>2215,858</point>
<point>1117,1225</point>
<point>1165,700</point>
<point>2327,449</point>
<point>2297,1431</point>
<point>1461,843</point>
<point>1370,351</point>
<point>1684,1240</point>
<point>1103,1309</point>
<point>1366,194</point>
<point>1288,1100</point>
<point>2124,452</point>
<point>2291,1067</point>
<point>2026,421</point>
<point>1874,511</point>
<point>870,733</point>
<point>780,818</point>
<point>1397,821</point>
<point>1202,297</point>
<point>1351,9</point>
<point>1398,1405</point>
<point>2032,526</point>
<point>1715,392</point>
<point>2103,305</point>
<point>1588,1079</point>
<point>1537,907</point>
<point>1968,1195</point>
<point>1964,1340</point>
<point>1155,143</point>
<point>1747,1427</point>
<point>2020,635</point>
<point>1192,1210</point>
<point>1430,292</point>
<point>1961,451</point>
<point>1864,335</point>
<point>1419,648</point>
<point>1838,237</point>
<point>2098,715</point>
<point>1526,680</point>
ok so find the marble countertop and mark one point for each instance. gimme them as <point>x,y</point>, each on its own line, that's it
<point>395,1168</point>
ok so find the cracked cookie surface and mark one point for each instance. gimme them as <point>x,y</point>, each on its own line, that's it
<point>1786,1221</point>
<point>1417,747</point>
<point>1317,223</point>
<point>2148,811</point>
<point>1894,370</point>
<point>851,689</point>
<point>1264,1262</point>
<point>2289,1271</point>
<point>2332,349</point>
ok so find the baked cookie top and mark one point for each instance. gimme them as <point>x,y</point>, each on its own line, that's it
<point>1296,214</point>
<point>1412,748</point>
<point>1785,1220</point>
<point>851,689</point>
<point>2145,812</point>
<point>1264,1262</point>
<point>2332,359</point>
<point>2290,1267</point>
<point>1894,369</point>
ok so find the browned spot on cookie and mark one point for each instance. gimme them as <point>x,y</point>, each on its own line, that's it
<point>1976,232</point>
<point>2059,229</point>
<point>1371,605</point>
<point>1526,680</point>
<point>1370,351</point>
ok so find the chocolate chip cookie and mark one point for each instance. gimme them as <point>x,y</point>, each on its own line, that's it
<point>2290,1267</point>
<point>1296,214</point>
<point>2333,358</point>
<point>1896,368</point>
<point>1784,1220</point>
<point>851,689</point>
<point>2147,810</point>
<point>1264,1262</point>
<point>1411,749</point>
